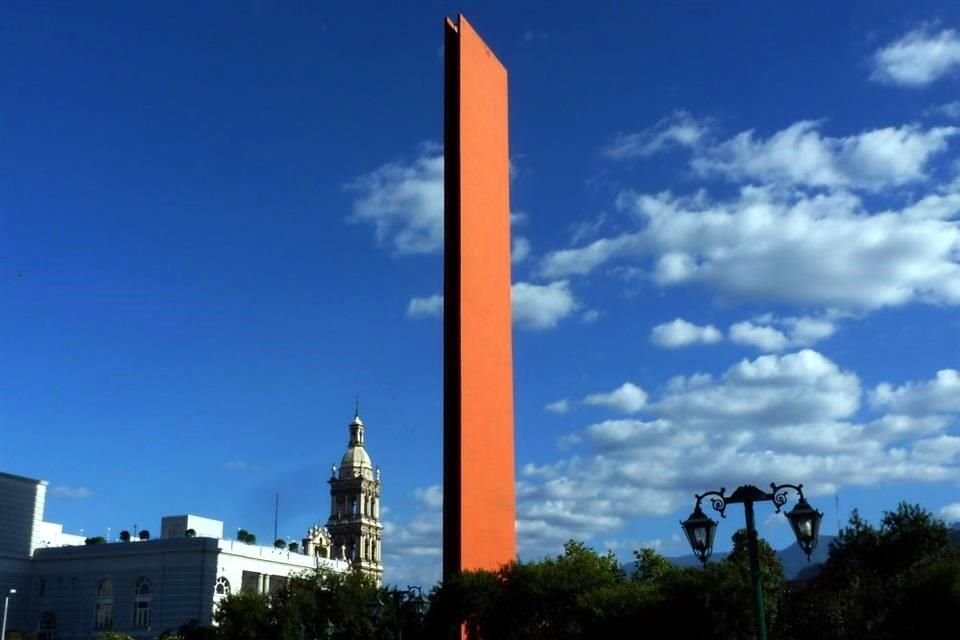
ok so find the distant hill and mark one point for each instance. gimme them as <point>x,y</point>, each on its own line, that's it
<point>795,562</point>
<point>795,565</point>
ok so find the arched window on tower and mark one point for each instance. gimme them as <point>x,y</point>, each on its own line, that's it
<point>103,612</point>
<point>142,598</point>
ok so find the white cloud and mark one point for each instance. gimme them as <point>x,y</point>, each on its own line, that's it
<point>766,338</point>
<point>404,202</point>
<point>809,250</point>
<point>520,249</point>
<point>680,129</point>
<point>951,512</point>
<point>807,331</point>
<point>918,58</point>
<point>73,493</point>
<point>680,333</point>
<point>950,110</point>
<point>583,260</point>
<point>541,306</point>
<point>560,406</point>
<point>590,316</point>
<point>822,250</point>
<point>800,155</point>
<point>772,333</point>
<point>412,550</point>
<point>759,418</point>
<point>792,414</point>
<point>628,398</point>
<point>534,306</point>
<point>796,388</point>
<point>431,496</point>
<point>431,306</point>
<point>940,395</point>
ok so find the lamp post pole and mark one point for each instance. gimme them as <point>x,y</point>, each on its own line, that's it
<point>759,613</point>
<point>6,602</point>
<point>804,520</point>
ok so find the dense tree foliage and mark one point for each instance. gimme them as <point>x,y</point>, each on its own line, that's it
<point>895,580</point>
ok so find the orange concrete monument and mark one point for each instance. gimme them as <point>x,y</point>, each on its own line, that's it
<point>479,521</point>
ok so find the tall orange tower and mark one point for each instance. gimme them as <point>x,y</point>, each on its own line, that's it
<point>479,521</point>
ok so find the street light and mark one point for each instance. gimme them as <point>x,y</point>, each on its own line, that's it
<point>701,530</point>
<point>412,596</point>
<point>6,601</point>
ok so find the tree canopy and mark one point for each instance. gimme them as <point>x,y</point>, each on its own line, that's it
<point>898,579</point>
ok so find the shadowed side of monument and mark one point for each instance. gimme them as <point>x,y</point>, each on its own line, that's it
<point>479,528</point>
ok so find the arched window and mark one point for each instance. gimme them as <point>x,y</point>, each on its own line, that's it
<point>222,588</point>
<point>48,626</point>
<point>142,597</point>
<point>103,613</point>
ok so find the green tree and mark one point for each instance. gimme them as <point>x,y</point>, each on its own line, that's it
<point>931,599</point>
<point>651,567</point>
<point>113,635</point>
<point>192,630</point>
<point>549,599</point>
<point>877,579</point>
<point>279,544</point>
<point>95,540</point>
<point>328,604</point>
<point>317,604</point>
<point>772,578</point>
<point>245,536</point>
<point>245,616</point>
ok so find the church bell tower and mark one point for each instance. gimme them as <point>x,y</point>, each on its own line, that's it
<point>354,523</point>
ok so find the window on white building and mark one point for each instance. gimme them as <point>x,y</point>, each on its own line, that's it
<point>222,588</point>
<point>103,613</point>
<point>142,597</point>
<point>48,626</point>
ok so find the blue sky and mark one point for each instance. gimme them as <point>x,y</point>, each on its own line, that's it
<point>736,259</point>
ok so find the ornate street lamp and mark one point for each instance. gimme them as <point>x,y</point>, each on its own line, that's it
<point>700,531</point>
<point>411,597</point>
<point>804,520</point>
<point>416,600</point>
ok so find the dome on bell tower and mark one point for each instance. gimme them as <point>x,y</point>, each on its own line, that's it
<point>356,461</point>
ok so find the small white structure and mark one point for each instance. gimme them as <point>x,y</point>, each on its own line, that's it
<point>190,527</point>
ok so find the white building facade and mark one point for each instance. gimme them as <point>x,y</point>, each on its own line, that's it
<point>71,590</point>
